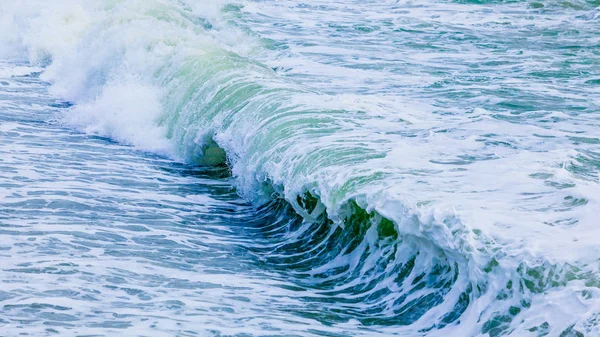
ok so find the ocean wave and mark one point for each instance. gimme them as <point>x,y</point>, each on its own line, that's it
<point>393,229</point>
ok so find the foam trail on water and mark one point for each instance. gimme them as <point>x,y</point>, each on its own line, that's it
<point>502,236</point>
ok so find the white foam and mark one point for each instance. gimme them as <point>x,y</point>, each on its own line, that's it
<point>126,112</point>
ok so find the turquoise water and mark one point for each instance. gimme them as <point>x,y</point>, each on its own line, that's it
<point>288,168</point>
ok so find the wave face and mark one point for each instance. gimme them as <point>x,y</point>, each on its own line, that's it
<point>441,156</point>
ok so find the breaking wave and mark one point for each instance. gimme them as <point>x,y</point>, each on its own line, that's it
<point>383,237</point>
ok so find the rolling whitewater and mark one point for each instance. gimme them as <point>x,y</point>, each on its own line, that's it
<point>289,168</point>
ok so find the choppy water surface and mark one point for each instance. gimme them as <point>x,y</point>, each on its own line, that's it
<point>288,168</point>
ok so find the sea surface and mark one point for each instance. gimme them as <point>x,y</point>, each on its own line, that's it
<point>289,168</point>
